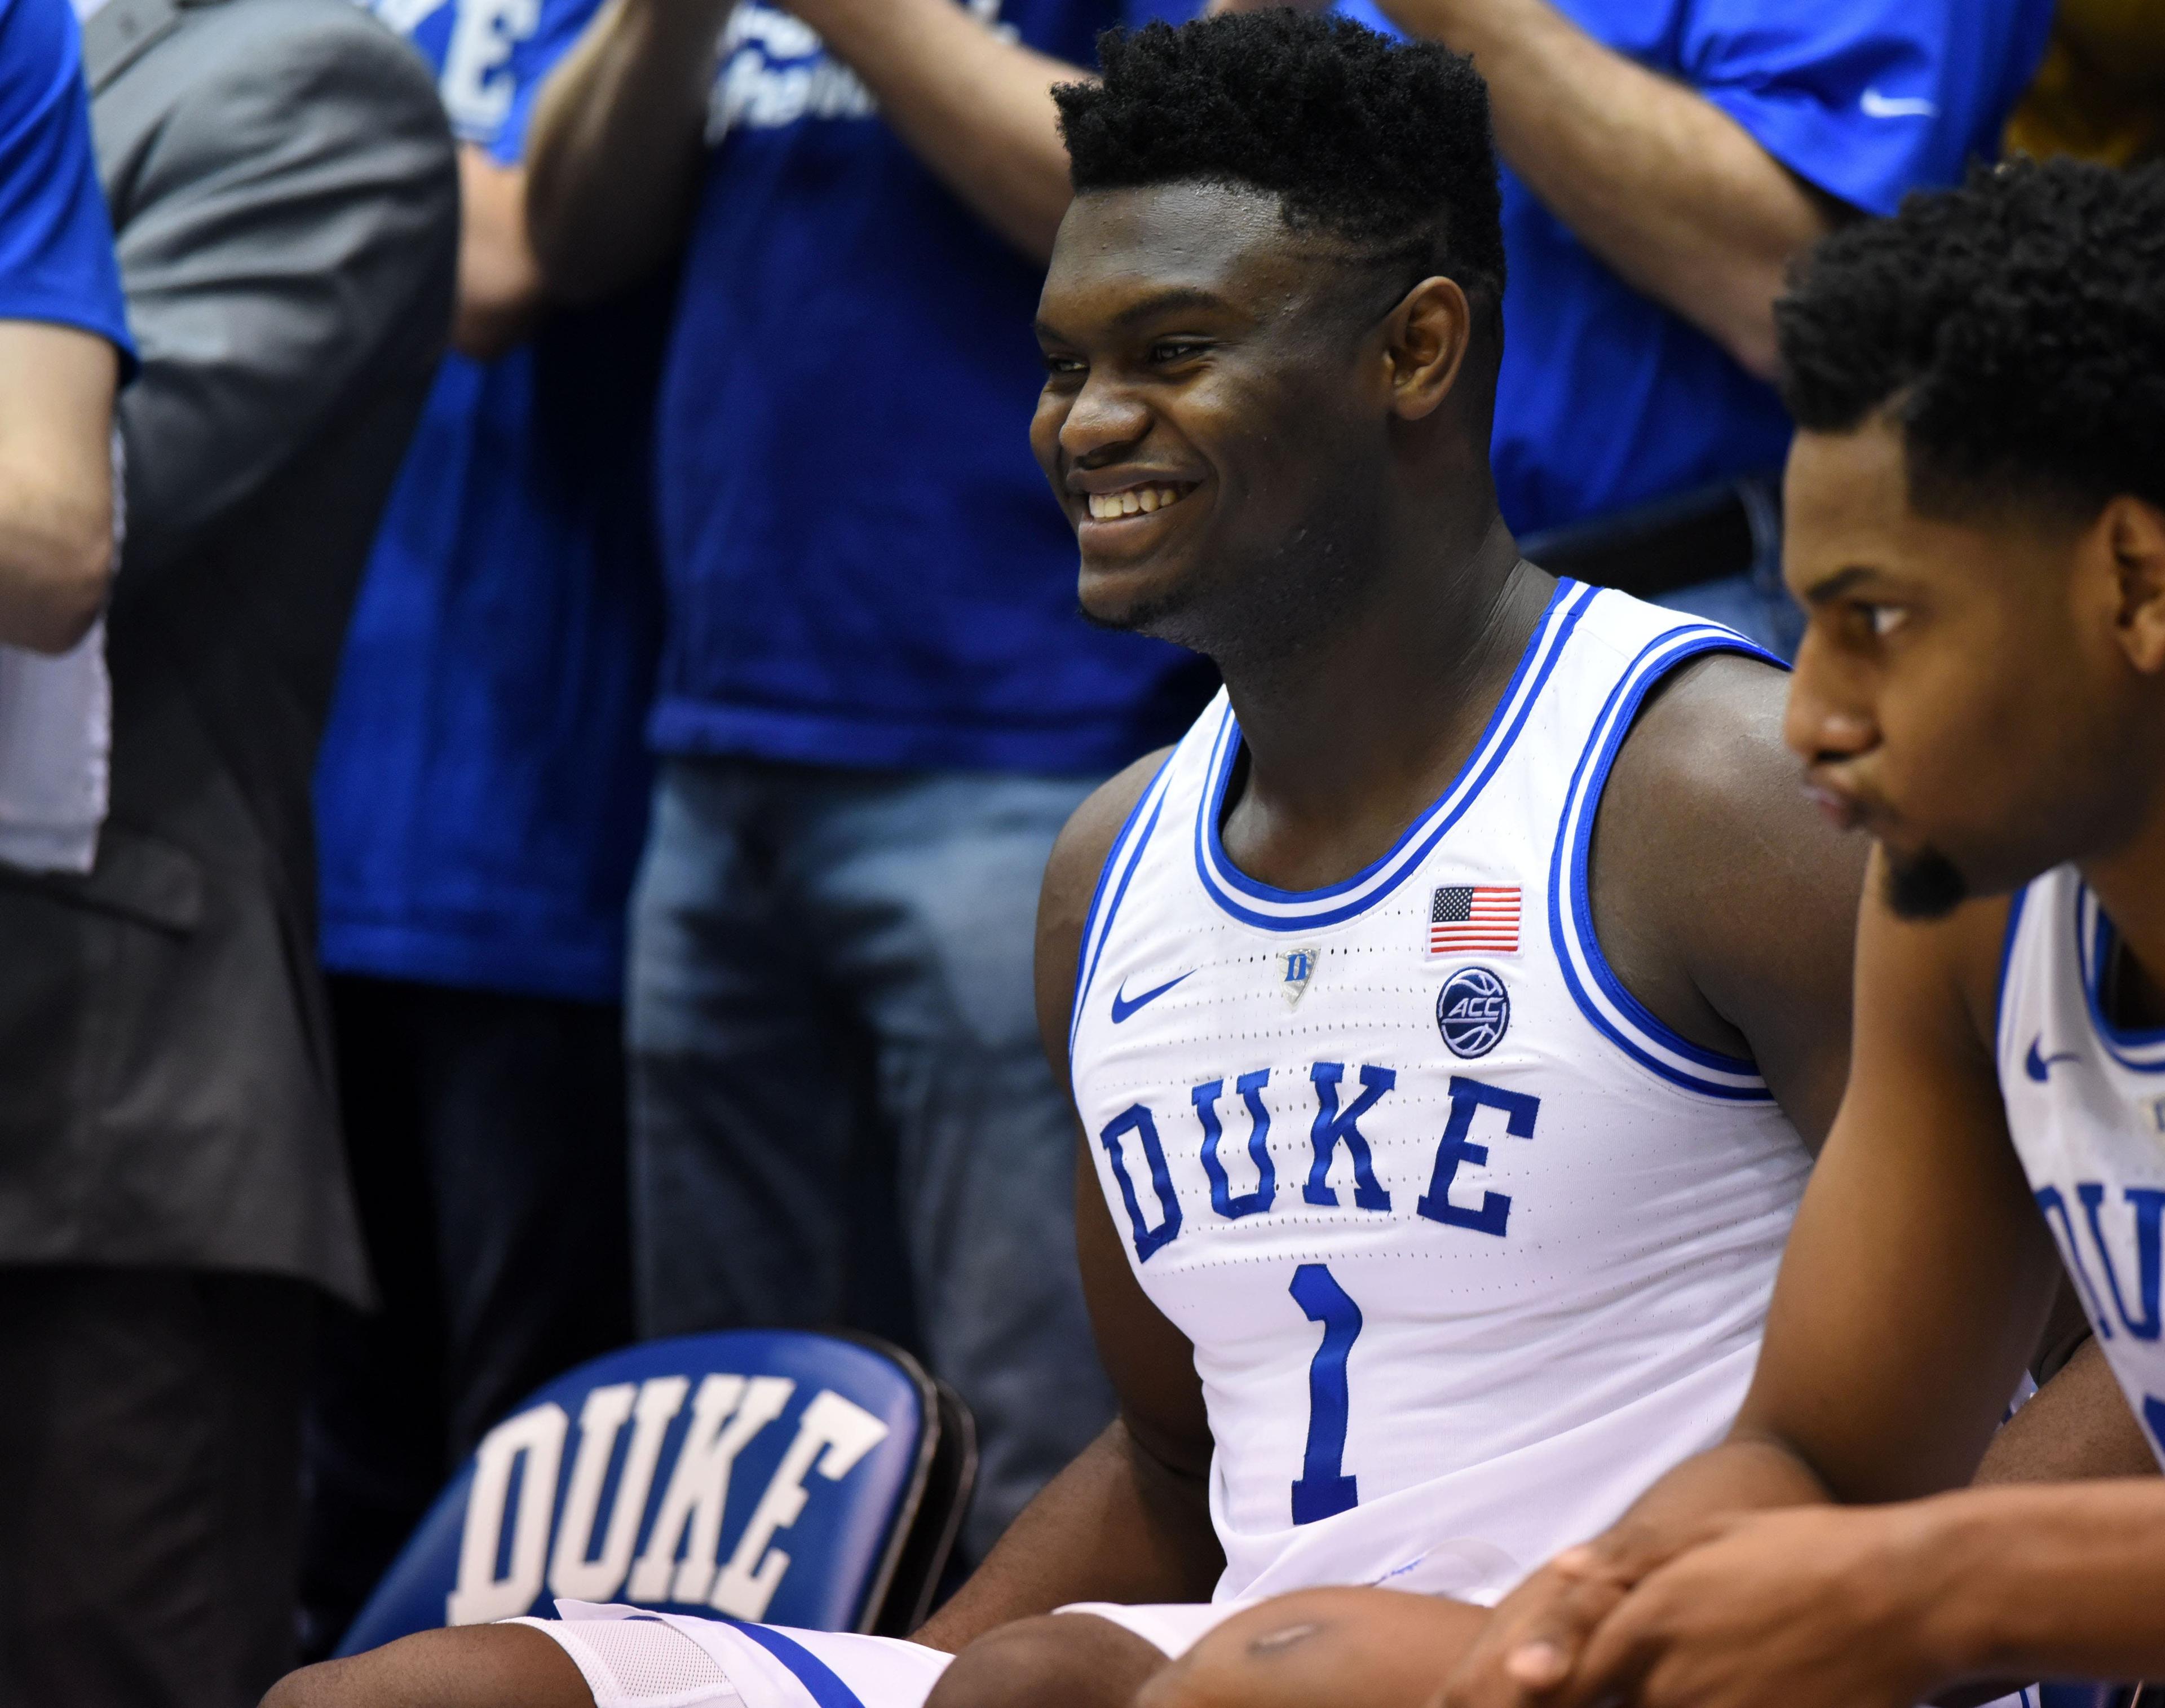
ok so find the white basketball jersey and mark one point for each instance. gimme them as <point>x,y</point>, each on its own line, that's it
<point>2086,1106</point>
<point>1471,1246</point>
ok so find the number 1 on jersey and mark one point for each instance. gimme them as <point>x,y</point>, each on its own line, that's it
<point>1323,1487</point>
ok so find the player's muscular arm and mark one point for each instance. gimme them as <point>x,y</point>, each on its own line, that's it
<point>1723,901</point>
<point>1913,1288</point>
<point>1129,1519</point>
<point>475,1666</point>
<point>2077,1427</point>
<point>613,157</point>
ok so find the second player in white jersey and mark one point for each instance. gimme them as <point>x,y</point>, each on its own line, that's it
<point>1471,1246</point>
<point>2085,1103</point>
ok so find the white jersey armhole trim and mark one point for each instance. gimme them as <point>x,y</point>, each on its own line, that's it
<point>2007,967</point>
<point>1610,1008</point>
<point>1097,923</point>
<point>2139,1051</point>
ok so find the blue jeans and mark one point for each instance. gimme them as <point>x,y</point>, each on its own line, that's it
<point>1756,604</point>
<point>814,951</point>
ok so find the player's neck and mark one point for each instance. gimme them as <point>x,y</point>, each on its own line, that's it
<point>1351,738</point>
<point>2128,886</point>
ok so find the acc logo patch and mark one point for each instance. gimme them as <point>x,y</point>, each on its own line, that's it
<point>1472,1011</point>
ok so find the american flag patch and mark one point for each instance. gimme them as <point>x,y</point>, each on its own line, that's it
<point>1464,918</point>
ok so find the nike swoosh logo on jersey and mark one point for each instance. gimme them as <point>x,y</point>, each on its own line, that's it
<point>2039,1067</point>
<point>1122,1008</point>
<point>1875,105</point>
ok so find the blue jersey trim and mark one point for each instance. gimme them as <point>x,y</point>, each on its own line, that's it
<point>2094,941</point>
<point>1999,984</point>
<point>1634,1028</point>
<point>1085,974</point>
<point>1382,877</point>
<point>817,1676</point>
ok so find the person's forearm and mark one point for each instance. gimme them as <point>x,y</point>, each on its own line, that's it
<point>56,386</point>
<point>500,294</point>
<point>1673,193</point>
<point>1117,1525</point>
<point>976,108</point>
<point>55,560</point>
<point>2076,1428</point>
<point>2049,1582</point>
<point>1746,1473</point>
<point>613,157</point>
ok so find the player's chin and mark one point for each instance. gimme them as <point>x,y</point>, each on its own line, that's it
<point>1135,596</point>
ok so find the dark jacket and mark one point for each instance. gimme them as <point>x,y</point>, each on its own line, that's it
<point>284,199</point>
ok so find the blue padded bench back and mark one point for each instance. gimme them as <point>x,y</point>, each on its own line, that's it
<point>754,1474</point>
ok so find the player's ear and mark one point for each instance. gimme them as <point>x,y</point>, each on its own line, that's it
<point>1427,338</point>
<point>2134,531</point>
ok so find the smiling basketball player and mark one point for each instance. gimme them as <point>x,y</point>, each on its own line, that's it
<point>1442,1014</point>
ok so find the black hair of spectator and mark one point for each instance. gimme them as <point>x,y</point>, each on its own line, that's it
<point>2013,328</point>
<point>1387,146</point>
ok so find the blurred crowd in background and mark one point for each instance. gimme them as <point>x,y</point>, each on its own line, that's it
<point>539,676</point>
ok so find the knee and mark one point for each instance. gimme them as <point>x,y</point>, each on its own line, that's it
<point>1061,1661</point>
<point>1317,1647</point>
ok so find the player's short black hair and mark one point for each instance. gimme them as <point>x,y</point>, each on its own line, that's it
<point>1386,145</point>
<point>2013,327</point>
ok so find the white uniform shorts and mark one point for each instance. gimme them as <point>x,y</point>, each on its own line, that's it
<point>632,1659</point>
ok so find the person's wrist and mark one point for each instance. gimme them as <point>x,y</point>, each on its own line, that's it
<point>1935,1565</point>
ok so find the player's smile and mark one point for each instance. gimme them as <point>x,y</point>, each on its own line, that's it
<point>1146,500</point>
<point>1122,513</point>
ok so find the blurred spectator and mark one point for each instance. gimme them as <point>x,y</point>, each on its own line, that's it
<point>2101,93</point>
<point>877,704</point>
<point>480,801</point>
<point>283,190</point>
<point>63,338</point>
<point>1664,161</point>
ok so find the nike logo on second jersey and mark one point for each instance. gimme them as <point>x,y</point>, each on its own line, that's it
<point>1122,1008</point>
<point>2039,1067</point>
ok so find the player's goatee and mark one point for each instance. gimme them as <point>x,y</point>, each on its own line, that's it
<point>1924,886</point>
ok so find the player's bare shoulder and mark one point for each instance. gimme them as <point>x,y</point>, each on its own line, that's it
<point>1070,879</point>
<point>1725,900</point>
<point>1707,796</point>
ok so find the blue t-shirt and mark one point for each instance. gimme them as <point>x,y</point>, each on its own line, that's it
<point>55,237</point>
<point>864,566</point>
<point>481,793</point>
<point>1606,398</point>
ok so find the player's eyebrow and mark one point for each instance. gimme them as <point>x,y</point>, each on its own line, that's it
<point>1165,302</point>
<point>1831,587</point>
<point>1171,300</point>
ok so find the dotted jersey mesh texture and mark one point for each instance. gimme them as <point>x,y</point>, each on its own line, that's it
<point>647,1661</point>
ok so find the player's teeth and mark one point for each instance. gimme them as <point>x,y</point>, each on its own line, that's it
<point>1136,501</point>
